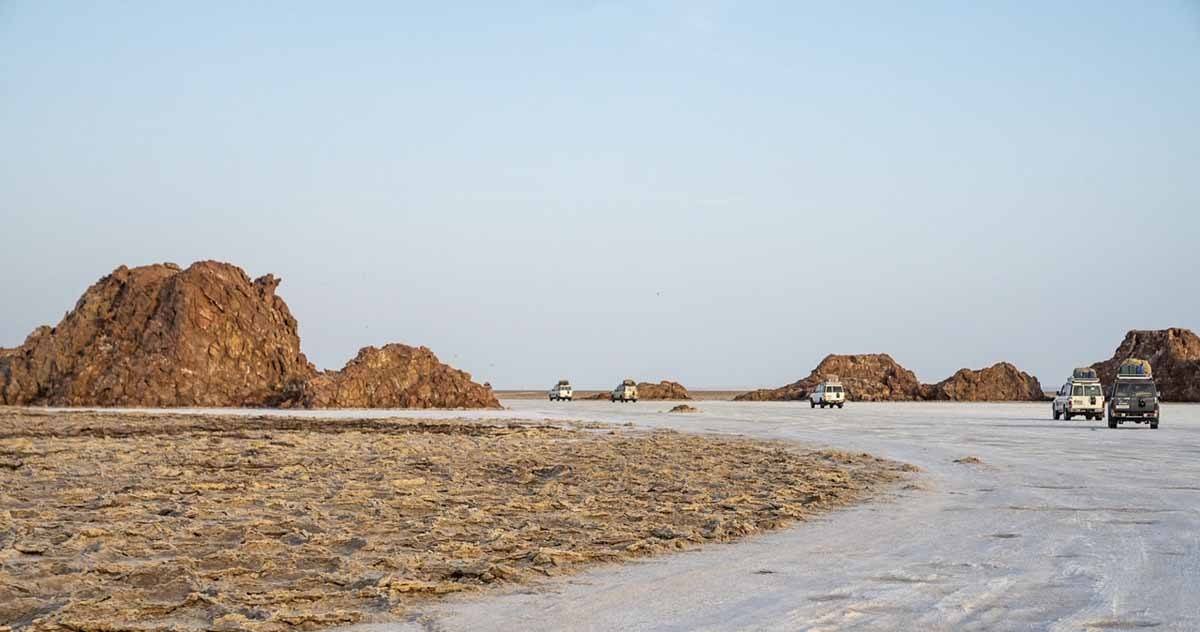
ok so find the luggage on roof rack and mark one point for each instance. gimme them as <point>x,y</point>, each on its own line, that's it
<point>1134,367</point>
<point>1085,373</point>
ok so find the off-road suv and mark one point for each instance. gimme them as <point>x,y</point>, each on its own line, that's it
<point>626,392</point>
<point>828,393</point>
<point>1134,396</point>
<point>1082,395</point>
<point>561,391</point>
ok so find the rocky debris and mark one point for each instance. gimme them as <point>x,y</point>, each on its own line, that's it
<point>188,522</point>
<point>1001,382</point>
<point>664,390</point>
<point>684,408</point>
<point>969,460</point>
<point>161,336</point>
<point>396,376</point>
<point>867,378</point>
<point>1174,355</point>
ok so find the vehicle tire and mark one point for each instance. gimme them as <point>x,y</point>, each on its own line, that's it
<point>1054,411</point>
<point>1066,415</point>
<point>840,405</point>
<point>812,404</point>
<point>1112,423</point>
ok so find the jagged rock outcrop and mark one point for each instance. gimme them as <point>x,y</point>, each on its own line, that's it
<point>1174,355</point>
<point>664,390</point>
<point>868,377</point>
<point>396,376</point>
<point>161,336</point>
<point>1001,382</point>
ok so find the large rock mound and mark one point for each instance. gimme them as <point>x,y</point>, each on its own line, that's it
<point>1000,382</point>
<point>160,336</point>
<point>867,377</point>
<point>396,376</point>
<point>664,390</point>
<point>209,336</point>
<point>1174,355</point>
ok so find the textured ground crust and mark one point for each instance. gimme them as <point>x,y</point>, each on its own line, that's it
<point>114,522</point>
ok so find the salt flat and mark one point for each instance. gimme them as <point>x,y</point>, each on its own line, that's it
<point>1061,526</point>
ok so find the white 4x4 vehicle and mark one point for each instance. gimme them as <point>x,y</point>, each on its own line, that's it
<point>562,390</point>
<point>828,393</point>
<point>626,392</point>
<point>1081,395</point>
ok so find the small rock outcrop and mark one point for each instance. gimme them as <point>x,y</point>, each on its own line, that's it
<point>1174,355</point>
<point>161,336</point>
<point>684,408</point>
<point>1001,382</point>
<point>869,377</point>
<point>396,376</point>
<point>664,390</point>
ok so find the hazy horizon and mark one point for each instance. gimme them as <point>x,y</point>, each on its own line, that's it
<point>719,194</point>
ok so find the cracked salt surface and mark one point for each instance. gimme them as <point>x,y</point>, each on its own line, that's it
<point>1062,526</point>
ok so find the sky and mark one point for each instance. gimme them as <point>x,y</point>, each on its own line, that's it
<point>719,193</point>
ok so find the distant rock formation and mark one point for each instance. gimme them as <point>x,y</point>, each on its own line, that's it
<point>1000,382</point>
<point>159,336</point>
<point>1174,355</point>
<point>876,377</point>
<point>664,390</point>
<point>396,376</point>
<point>871,377</point>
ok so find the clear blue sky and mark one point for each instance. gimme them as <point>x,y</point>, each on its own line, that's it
<point>715,192</point>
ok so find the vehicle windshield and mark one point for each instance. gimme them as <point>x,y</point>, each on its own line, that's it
<point>1135,389</point>
<point>1092,390</point>
<point>1078,392</point>
<point>834,389</point>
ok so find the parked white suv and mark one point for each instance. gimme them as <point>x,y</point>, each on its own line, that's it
<point>828,393</point>
<point>626,392</point>
<point>561,391</point>
<point>1081,395</point>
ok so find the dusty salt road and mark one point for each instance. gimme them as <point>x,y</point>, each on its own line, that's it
<point>1062,526</point>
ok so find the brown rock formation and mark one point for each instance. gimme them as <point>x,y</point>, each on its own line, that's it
<point>877,377</point>
<point>160,336</point>
<point>867,378</point>
<point>396,376</point>
<point>664,390</point>
<point>1000,382</point>
<point>1174,355</point>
